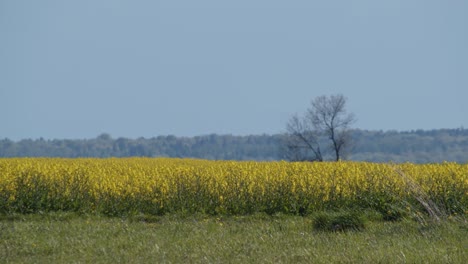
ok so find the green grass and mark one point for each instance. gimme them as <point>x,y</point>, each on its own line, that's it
<point>72,238</point>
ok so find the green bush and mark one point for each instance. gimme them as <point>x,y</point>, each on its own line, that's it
<point>338,221</point>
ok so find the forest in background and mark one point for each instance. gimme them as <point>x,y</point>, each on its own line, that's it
<point>418,146</point>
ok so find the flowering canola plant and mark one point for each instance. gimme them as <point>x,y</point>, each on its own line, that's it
<point>117,186</point>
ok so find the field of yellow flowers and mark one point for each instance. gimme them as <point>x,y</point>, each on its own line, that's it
<point>162,185</point>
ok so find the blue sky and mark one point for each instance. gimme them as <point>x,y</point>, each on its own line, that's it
<point>75,69</point>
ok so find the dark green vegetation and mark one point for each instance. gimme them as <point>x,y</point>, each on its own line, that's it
<point>259,238</point>
<point>339,221</point>
<point>416,146</point>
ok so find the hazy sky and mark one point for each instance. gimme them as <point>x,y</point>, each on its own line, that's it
<point>75,69</point>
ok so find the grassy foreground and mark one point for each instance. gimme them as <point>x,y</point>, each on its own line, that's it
<point>71,238</point>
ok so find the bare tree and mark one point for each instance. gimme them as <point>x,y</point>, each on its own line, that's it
<point>301,141</point>
<point>326,118</point>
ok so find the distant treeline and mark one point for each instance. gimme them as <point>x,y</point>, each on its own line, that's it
<point>420,146</point>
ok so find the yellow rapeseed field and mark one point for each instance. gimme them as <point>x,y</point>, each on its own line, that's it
<point>119,186</point>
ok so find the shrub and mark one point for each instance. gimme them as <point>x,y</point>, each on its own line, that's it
<point>338,221</point>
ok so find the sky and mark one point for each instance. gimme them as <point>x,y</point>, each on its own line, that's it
<point>76,69</point>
